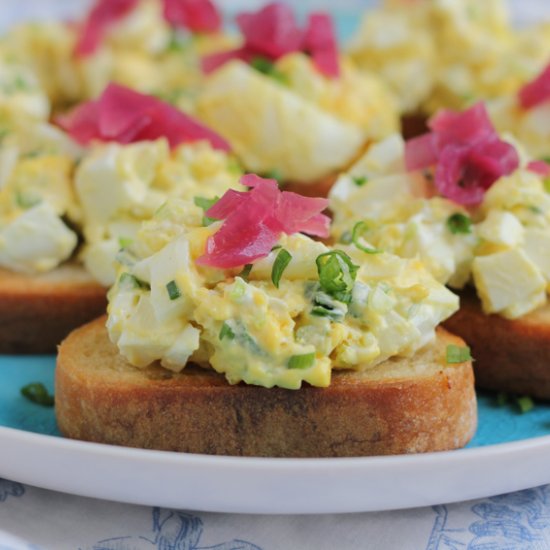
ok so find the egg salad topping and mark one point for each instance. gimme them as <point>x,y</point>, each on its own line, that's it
<point>140,49</point>
<point>501,245</point>
<point>464,50</point>
<point>289,317</point>
<point>37,162</point>
<point>119,186</point>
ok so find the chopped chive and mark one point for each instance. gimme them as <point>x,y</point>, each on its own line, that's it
<point>337,274</point>
<point>267,67</point>
<point>459,224</point>
<point>501,399</point>
<point>359,229</point>
<point>525,403</point>
<point>125,242</point>
<point>279,265</point>
<point>274,174</point>
<point>245,272</point>
<point>458,354</point>
<point>226,332</point>
<point>37,393</point>
<point>26,201</point>
<point>206,204</point>
<point>132,281</point>
<point>173,289</point>
<point>535,209</point>
<point>301,361</point>
<point>345,238</point>
<point>360,180</point>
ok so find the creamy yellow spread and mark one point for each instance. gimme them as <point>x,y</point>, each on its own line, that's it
<point>502,246</point>
<point>165,307</point>
<point>447,53</point>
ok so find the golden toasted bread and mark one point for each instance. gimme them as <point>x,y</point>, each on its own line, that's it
<point>511,356</point>
<point>38,311</point>
<point>401,406</point>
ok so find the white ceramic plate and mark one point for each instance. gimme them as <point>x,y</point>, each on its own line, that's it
<point>271,486</point>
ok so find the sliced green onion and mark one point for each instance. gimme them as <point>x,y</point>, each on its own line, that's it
<point>360,180</point>
<point>132,281</point>
<point>267,67</point>
<point>525,403</point>
<point>458,354</point>
<point>345,237</point>
<point>244,274</point>
<point>37,393</point>
<point>337,274</point>
<point>301,361</point>
<point>274,174</point>
<point>279,265</point>
<point>125,242</point>
<point>501,399</point>
<point>226,332</point>
<point>458,223</point>
<point>173,289</point>
<point>205,204</point>
<point>326,306</point>
<point>26,201</point>
<point>359,229</point>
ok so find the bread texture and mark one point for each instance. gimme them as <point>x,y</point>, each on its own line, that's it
<point>401,406</point>
<point>511,356</point>
<point>38,311</point>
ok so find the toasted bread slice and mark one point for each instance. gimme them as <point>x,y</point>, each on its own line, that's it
<point>511,356</point>
<point>401,406</point>
<point>38,311</point>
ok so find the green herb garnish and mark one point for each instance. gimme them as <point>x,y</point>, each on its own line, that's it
<point>267,67</point>
<point>124,242</point>
<point>26,201</point>
<point>132,281</point>
<point>525,403</point>
<point>37,393</point>
<point>459,224</point>
<point>326,306</point>
<point>359,229</point>
<point>337,274</point>
<point>245,273</point>
<point>360,180</point>
<point>301,361</point>
<point>226,332</point>
<point>173,289</point>
<point>458,354</point>
<point>279,265</point>
<point>205,204</point>
<point>546,184</point>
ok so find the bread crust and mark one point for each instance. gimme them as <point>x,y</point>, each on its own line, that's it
<point>401,406</point>
<point>511,356</point>
<point>38,311</point>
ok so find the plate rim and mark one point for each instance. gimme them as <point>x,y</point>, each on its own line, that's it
<point>208,482</point>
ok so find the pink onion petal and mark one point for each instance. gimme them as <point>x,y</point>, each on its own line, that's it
<point>462,127</point>
<point>126,116</point>
<point>537,91</point>
<point>272,31</point>
<point>194,15</point>
<point>320,43</point>
<point>421,152</point>
<point>102,15</point>
<point>540,167</point>
<point>254,221</point>
<point>81,122</point>
<point>465,172</point>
